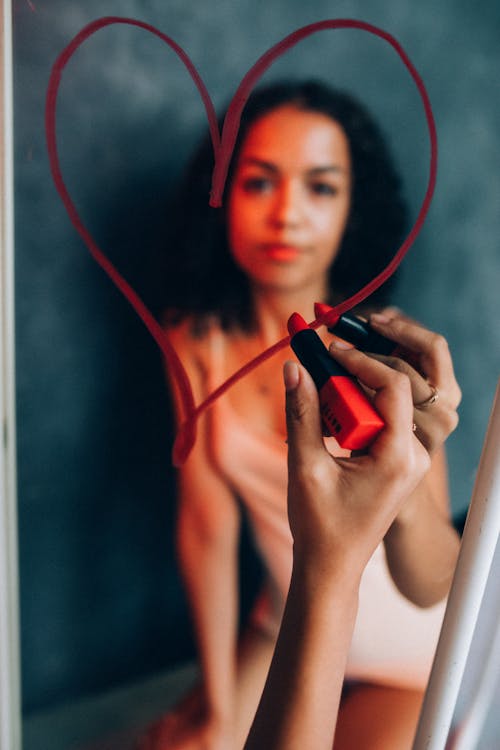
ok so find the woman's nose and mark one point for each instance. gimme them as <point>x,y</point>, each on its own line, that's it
<point>287,205</point>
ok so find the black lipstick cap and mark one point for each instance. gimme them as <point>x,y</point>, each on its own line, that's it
<point>358,332</point>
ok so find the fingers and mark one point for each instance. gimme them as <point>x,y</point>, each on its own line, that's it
<point>303,418</point>
<point>392,392</point>
<point>396,453</point>
<point>432,349</point>
<point>420,389</point>
<point>434,418</point>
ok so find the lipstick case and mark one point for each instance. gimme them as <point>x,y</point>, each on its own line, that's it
<point>346,411</point>
<point>359,333</point>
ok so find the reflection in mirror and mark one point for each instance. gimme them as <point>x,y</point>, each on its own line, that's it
<point>106,614</point>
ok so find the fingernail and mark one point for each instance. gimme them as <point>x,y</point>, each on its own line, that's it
<point>393,310</point>
<point>290,375</point>
<point>380,318</point>
<point>341,344</point>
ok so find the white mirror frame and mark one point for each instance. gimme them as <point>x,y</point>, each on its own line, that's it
<point>475,559</point>
<point>10,682</point>
<point>477,551</point>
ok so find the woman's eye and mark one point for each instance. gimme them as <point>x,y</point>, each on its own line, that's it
<point>324,188</point>
<point>256,184</point>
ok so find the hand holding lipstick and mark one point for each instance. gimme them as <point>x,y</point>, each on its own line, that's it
<point>350,502</point>
<point>339,510</point>
<point>420,354</point>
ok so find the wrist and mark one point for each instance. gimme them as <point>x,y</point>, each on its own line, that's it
<point>321,583</point>
<point>220,715</point>
<point>318,605</point>
<point>219,703</point>
<point>220,719</point>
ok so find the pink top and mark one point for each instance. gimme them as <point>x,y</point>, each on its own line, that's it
<point>394,640</point>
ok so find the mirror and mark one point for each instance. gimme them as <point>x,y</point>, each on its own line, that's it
<point>100,595</point>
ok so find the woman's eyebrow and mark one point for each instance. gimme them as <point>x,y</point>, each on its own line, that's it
<point>262,163</point>
<point>336,168</point>
<point>270,167</point>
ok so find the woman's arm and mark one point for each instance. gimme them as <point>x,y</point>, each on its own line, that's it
<point>300,702</point>
<point>339,511</point>
<point>422,545</point>
<point>207,542</point>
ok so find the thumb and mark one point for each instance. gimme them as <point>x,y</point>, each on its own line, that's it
<point>303,419</point>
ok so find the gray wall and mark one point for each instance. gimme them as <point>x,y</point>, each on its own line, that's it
<point>100,594</point>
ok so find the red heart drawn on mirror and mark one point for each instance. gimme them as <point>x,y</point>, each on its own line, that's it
<point>223,145</point>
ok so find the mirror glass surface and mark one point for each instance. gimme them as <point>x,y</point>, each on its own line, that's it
<point>101,600</point>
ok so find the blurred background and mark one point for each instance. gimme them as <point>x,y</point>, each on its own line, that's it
<point>101,601</point>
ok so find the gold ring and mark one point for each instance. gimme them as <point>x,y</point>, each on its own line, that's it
<point>429,401</point>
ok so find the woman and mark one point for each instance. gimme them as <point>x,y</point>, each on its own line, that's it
<point>311,212</point>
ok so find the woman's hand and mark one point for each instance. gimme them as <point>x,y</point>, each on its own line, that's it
<point>435,391</point>
<point>341,508</point>
<point>422,546</point>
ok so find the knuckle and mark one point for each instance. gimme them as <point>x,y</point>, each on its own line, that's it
<point>456,396</point>
<point>312,474</point>
<point>397,364</point>
<point>418,463</point>
<point>396,465</point>
<point>408,464</point>
<point>422,462</point>
<point>439,345</point>
<point>450,421</point>
<point>445,421</point>
<point>391,311</point>
<point>295,409</point>
<point>400,382</point>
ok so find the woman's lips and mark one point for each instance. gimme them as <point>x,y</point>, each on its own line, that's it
<point>280,252</point>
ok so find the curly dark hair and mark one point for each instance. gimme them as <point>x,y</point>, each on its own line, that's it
<point>201,277</point>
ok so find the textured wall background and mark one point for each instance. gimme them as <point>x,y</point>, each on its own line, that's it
<point>100,593</point>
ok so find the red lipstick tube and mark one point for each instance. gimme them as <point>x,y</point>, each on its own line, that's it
<point>345,409</point>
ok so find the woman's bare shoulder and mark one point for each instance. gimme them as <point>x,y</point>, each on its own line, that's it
<point>191,339</point>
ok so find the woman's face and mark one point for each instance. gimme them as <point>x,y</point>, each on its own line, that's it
<point>290,198</point>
